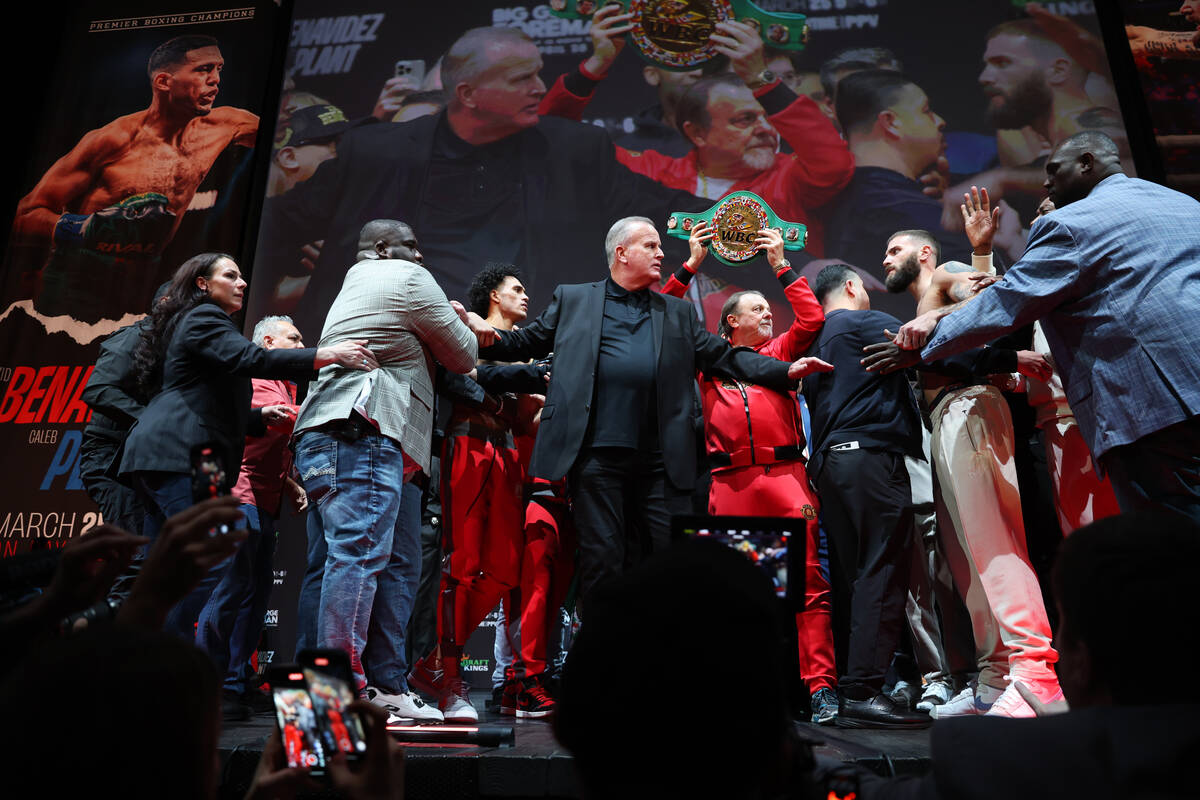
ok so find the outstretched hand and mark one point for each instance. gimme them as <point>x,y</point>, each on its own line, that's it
<point>88,566</point>
<point>887,357</point>
<point>980,220</point>
<point>189,545</point>
<point>807,366</point>
<point>914,333</point>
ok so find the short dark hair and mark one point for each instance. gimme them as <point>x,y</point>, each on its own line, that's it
<point>693,105</point>
<point>173,52</point>
<point>924,237</point>
<point>378,229</point>
<point>1131,572</point>
<point>861,96</point>
<point>730,307</point>
<point>488,278</point>
<point>856,59</point>
<point>830,278</point>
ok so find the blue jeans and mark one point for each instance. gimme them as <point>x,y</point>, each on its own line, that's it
<point>231,621</point>
<point>164,495</point>
<point>374,552</point>
<point>309,605</point>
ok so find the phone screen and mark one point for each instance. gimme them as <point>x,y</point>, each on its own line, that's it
<point>302,741</point>
<point>342,728</point>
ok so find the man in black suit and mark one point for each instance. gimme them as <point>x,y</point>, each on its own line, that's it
<point>618,419</point>
<point>487,180</point>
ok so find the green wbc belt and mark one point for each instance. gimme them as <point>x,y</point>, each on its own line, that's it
<point>675,33</point>
<point>736,221</point>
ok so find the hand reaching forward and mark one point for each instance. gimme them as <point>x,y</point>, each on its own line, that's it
<point>807,366</point>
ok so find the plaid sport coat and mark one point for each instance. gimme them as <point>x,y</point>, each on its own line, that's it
<point>408,324</point>
<point>1115,279</point>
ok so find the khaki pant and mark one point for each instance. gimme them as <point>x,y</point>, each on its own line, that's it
<point>985,538</point>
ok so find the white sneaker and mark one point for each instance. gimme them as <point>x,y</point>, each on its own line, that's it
<point>971,701</point>
<point>1011,704</point>
<point>456,702</point>
<point>405,706</point>
<point>936,693</point>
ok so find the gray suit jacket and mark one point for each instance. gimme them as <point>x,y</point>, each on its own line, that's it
<point>408,324</point>
<point>1115,279</point>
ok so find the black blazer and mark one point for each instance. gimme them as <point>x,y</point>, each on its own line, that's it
<point>570,328</point>
<point>206,393</point>
<point>573,189</point>
<point>111,391</point>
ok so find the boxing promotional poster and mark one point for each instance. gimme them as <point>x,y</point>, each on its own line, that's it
<point>144,158</point>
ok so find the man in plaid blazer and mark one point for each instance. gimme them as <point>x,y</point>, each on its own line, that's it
<point>360,438</point>
<point>1114,275</point>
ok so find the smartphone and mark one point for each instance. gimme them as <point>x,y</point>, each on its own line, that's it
<point>329,679</point>
<point>303,744</point>
<point>414,69</point>
<point>210,478</point>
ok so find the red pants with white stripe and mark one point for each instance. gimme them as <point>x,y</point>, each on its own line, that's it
<point>782,490</point>
<point>546,570</point>
<point>482,535</point>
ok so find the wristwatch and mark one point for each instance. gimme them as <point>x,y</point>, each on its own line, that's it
<point>761,79</point>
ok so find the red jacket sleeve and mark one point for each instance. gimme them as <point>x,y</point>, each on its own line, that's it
<point>795,342</point>
<point>821,164</point>
<point>677,284</point>
<point>561,102</point>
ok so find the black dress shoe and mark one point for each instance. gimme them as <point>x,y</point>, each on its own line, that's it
<point>879,711</point>
<point>232,707</point>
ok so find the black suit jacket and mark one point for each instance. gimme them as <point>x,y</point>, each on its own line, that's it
<point>571,326</point>
<point>111,391</point>
<point>206,393</point>
<point>572,186</point>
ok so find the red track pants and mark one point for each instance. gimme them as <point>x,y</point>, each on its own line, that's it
<point>782,490</point>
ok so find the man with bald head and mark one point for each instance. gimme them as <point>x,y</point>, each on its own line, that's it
<point>619,415</point>
<point>1114,275</point>
<point>486,179</point>
<point>360,440</point>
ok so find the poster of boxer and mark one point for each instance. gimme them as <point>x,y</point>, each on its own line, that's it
<point>146,156</point>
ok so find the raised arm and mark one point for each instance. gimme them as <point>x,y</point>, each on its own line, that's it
<point>535,340</point>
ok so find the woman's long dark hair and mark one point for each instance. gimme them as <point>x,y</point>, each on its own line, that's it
<point>182,296</point>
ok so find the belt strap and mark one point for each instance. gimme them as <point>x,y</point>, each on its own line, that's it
<point>756,455</point>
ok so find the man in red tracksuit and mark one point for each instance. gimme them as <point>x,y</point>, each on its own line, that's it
<point>734,122</point>
<point>755,442</point>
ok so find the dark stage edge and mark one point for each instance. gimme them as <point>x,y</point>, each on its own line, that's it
<point>536,767</point>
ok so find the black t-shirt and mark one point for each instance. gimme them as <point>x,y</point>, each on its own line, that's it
<point>626,413</point>
<point>472,207</point>
<point>851,404</point>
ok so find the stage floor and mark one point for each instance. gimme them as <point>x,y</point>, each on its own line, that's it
<point>536,767</point>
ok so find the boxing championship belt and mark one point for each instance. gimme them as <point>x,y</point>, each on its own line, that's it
<point>138,226</point>
<point>674,34</point>
<point>735,221</point>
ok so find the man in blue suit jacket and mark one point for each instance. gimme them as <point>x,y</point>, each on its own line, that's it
<point>1114,275</point>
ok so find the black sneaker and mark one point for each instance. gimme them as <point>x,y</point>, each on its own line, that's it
<point>260,702</point>
<point>533,701</point>
<point>232,707</point>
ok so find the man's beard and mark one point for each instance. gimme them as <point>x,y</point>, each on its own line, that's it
<point>904,275</point>
<point>1030,99</point>
<point>759,158</point>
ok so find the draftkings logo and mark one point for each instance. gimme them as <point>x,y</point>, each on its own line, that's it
<point>475,664</point>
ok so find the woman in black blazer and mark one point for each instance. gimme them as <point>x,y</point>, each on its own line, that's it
<point>197,366</point>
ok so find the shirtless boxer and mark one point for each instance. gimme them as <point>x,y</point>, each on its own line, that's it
<point>983,535</point>
<point>106,209</point>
